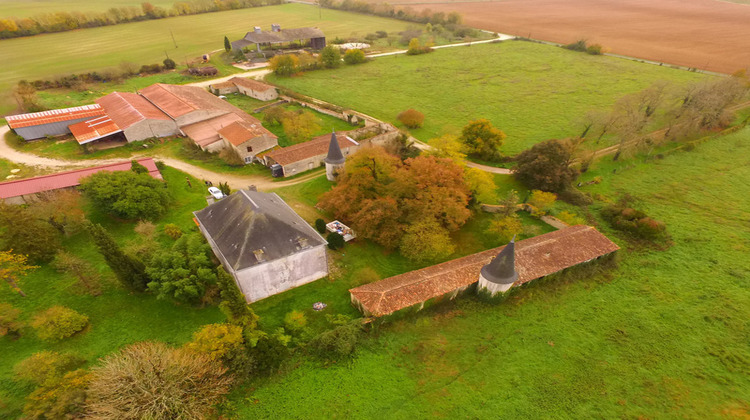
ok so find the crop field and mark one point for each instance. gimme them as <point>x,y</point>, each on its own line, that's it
<point>147,42</point>
<point>664,335</point>
<point>532,92</point>
<point>705,34</point>
<point>25,8</point>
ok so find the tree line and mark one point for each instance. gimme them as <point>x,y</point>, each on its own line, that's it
<point>67,21</point>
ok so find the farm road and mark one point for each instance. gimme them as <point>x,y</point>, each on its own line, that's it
<point>234,181</point>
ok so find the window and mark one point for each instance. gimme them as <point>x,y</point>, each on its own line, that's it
<point>249,148</point>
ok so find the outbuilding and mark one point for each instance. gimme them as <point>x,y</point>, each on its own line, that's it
<point>55,122</point>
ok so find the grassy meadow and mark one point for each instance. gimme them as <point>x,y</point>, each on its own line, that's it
<point>146,42</point>
<point>25,8</point>
<point>532,92</point>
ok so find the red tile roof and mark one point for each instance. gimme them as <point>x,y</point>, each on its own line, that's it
<point>535,257</point>
<point>315,147</point>
<point>164,97</point>
<point>68,179</point>
<point>55,115</point>
<point>93,129</point>
<point>251,84</point>
<point>126,109</point>
<point>207,132</point>
<point>242,131</point>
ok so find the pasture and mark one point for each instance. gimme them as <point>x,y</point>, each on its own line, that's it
<point>147,42</point>
<point>532,92</point>
<point>21,8</point>
<point>664,335</point>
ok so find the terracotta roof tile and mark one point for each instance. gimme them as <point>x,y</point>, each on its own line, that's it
<point>68,179</point>
<point>242,131</point>
<point>315,147</point>
<point>250,84</point>
<point>206,132</point>
<point>535,257</point>
<point>94,129</point>
<point>55,115</point>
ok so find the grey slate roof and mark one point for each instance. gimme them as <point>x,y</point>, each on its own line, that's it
<point>284,35</point>
<point>334,157</point>
<point>502,269</point>
<point>251,227</point>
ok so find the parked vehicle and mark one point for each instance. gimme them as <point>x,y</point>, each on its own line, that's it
<point>216,193</point>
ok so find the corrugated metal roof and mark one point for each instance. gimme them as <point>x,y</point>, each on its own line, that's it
<point>93,129</point>
<point>126,109</point>
<point>535,257</point>
<point>315,147</point>
<point>54,115</point>
<point>68,179</point>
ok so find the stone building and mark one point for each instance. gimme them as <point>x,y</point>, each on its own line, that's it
<point>138,118</point>
<point>263,243</point>
<point>247,87</point>
<point>309,155</point>
<point>278,36</point>
<point>334,160</point>
<point>247,139</point>
<point>514,264</point>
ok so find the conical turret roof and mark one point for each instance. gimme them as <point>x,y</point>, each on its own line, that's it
<point>502,269</point>
<point>335,157</point>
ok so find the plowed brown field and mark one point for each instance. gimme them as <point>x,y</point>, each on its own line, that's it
<point>705,34</point>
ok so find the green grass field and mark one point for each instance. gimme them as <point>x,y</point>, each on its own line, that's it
<point>146,42</point>
<point>663,336</point>
<point>532,92</point>
<point>25,8</point>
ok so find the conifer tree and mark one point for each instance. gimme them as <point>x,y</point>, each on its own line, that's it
<point>227,44</point>
<point>233,303</point>
<point>130,271</point>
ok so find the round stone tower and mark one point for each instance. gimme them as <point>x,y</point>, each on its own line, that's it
<point>499,275</point>
<point>335,159</point>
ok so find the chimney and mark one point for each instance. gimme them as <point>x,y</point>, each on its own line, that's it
<point>257,29</point>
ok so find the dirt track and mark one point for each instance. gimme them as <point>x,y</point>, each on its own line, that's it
<point>705,34</point>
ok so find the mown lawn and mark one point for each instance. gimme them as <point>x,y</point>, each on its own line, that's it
<point>23,8</point>
<point>532,92</point>
<point>664,335</point>
<point>147,42</point>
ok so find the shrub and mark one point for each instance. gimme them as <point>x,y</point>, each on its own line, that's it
<point>127,194</point>
<point>169,64</point>
<point>46,365</point>
<point>415,48</point>
<point>320,225</point>
<point>58,322</point>
<point>594,49</point>
<point>152,380</point>
<point>150,68</point>
<point>381,34</point>
<point>579,45</point>
<point>9,323</point>
<point>330,56</point>
<point>339,342</point>
<point>137,167</point>
<point>335,241</point>
<point>284,65</point>
<point>268,353</point>
<point>217,340</point>
<point>62,398</point>
<point>483,140</point>
<point>173,231</point>
<point>622,217</point>
<point>184,272</point>
<point>541,202</point>
<point>354,56</point>
<point>507,227</point>
<point>230,156</point>
<point>570,218</point>
<point>27,234</point>
<point>411,118</point>
<point>295,321</point>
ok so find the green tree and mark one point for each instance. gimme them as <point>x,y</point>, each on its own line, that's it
<point>58,322</point>
<point>411,118</point>
<point>79,268</point>
<point>300,126</point>
<point>129,271</point>
<point>173,231</point>
<point>426,240</point>
<point>506,227</point>
<point>46,365</point>
<point>183,272</point>
<point>9,323</point>
<point>127,194</point>
<point>12,268</point>
<point>354,56</point>
<point>481,184</point>
<point>546,167</point>
<point>27,234</point>
<point>339,342</point>
<point>169,64</point>
<point>541,202</point>
<point>233,303</point>
<point>320,225</point>
<point>227,44</point>
<point>335,241</point>
<point>483,140</point>
<point>284,65</point>
<point>330,56</point>
<point>59,398</point>
<point>226,343</point>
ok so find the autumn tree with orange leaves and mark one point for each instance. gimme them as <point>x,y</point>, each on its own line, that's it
<point>383,199</point>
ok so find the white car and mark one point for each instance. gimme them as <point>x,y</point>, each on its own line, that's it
<point>216,193</point>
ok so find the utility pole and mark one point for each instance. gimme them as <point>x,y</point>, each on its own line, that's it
<point>175,42</point>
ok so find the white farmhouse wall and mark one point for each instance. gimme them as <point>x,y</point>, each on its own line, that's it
<point>266,95</point>
<point>198,116</point>
<point>286,273</point>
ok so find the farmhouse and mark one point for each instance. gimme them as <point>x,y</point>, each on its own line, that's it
<point>37,125</point>
<point>311,154</point>
<point>257,37</point>
<point>25,191</point>
<point>263,243</point>
<point>248,87</point>
<point>247,139</point>
<point>514,264</point>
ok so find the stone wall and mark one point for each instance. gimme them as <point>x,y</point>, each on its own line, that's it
<point>147,129</point>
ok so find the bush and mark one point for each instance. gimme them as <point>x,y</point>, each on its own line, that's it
<point>411,118</point>
<point>173,231</point>
<point>320,226</point>
<point>224,342</point>
<point>622,217</point>
<point>62,398</point>
<point>579,45</point>
<point>9,324</point>
<point>381,34</point>
<point>268,353</point>
<point>354,56</point>
<point>152,380</point>
<point>415,48</point>
<point>570,218</point>
<point>594,49</point>
<point>335,241</point>
<point>541,202</point>
<point>150,69</point>
<point>169,64</point>
<point>58,322</point>
<point>339,342</point>
<point>127,194</point>
<point>46,365</point>
<point>330,56</point>
<point>284,65</point>
<point>137,167</point>
<point>295,321</point>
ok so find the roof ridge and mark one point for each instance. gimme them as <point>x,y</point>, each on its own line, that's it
<point>140,114</point>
